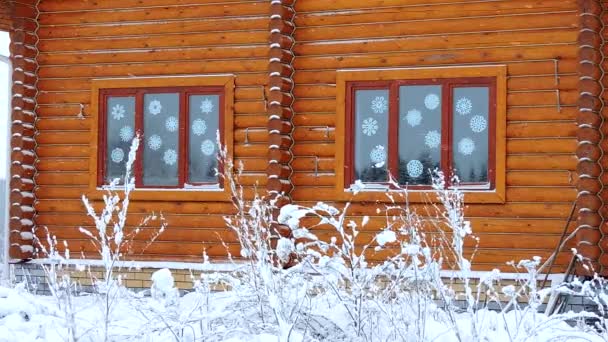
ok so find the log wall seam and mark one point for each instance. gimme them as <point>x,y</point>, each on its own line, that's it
<point>589,135</point>
<point>23,54</point>
<point>280,100</point>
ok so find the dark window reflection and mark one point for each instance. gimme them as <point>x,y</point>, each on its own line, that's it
<point>371,135</point>
<point>120,125</point>
<point>203,128</point>
<point>470,134</point>
<point>419,133</point>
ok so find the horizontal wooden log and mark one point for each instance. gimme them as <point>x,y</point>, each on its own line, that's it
<point>147,42</point>
<point>158,68</point>
<point>405,59</point>
<point>459,25</point>
<point>152,27</point>
<point>485,40</point>
<point>144,14</point>
<point>394,10</point>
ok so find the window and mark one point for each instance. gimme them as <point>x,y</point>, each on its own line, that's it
<point>408,128</point>
<point>405,123</point>
<point>178,119</point>
<point>178,129</point>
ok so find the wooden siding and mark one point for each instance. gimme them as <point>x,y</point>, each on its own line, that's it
<point>536,39</point>
<point>82,40</point>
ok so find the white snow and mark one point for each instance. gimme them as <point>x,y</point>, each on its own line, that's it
<point>386,236</point>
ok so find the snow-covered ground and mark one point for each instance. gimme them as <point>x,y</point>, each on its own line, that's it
<point>246,314</point>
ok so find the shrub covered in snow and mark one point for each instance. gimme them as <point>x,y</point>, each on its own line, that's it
<point>291,285</point>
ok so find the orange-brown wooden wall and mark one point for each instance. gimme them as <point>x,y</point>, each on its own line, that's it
<point>534,38</point>
<point>81,40</point>
<point>537,39</point>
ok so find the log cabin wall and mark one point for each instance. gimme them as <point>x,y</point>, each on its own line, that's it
<point>19,17</point>
<point>86,39</point>
<point>591,159</point>
<point>537,40</point>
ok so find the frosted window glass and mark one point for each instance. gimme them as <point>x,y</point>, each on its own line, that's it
<point>371,135</point>
<point>203,126</point>
<point>419,133</point>
<point>161,139</point>
<point>470,134</point>
<point>120,131</point>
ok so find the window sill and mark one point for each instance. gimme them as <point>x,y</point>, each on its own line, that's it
<point>206,194</point>
<point>471,196</point>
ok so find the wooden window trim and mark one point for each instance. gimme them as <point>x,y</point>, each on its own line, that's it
<point>392,79</point>
<point>185,86</point>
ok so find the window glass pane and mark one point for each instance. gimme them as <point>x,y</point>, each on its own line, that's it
<point>470,133</point>
<point>204,125</point>
<point>161,135</point>
<point>419,133</point>
<point>120,130</point>
<point>371,135</point>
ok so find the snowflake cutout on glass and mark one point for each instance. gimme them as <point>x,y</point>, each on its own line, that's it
<point>207,147</point>
<point>414,168</point>
<point>155,107</point>
<point>170,157</point>
<point>431,101</point>
<point>379,105</point>
<point>199,127</point>
<point>466,146</point>
<point>155,142</point>
<point>464,106</point>
<point>413,117</point>
<point>378,155</point>
<point>117,155</point>
<point>478,124</point>
<point>118,112</point>
<point>369,126</point>
<point>126,133</point>
<point>432,139</point>
<point>171,124</point>
<point>206,106</point>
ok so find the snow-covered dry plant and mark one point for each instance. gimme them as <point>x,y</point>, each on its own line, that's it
<point>59,281</point>
<point>275,295</point>
<point>112,237</point>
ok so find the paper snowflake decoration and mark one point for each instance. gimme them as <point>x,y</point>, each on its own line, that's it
<point>414,168</point>
<point>155,142</point>
<point>126,133</point>
<point>431,101</point>
<point>199,127</point>
<point>432,139</point>
<point>171,124</point>
<point>378,155</point>
<point>155,107</point>
<point>369,126</point>
<point>170,157</point>
<point>478,124</point>
<point>206,106</point>
<point>207,147</point>
<point>464,106</point>
<point>117,155</point>
<point>413,117</point>
<point>379,105</point>
<point>118,112</point>
<point>466,146</point>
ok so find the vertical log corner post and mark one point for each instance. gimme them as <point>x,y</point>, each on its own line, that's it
<point>280,99</point>
<point>24,51</point>
<point>589,152</point>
